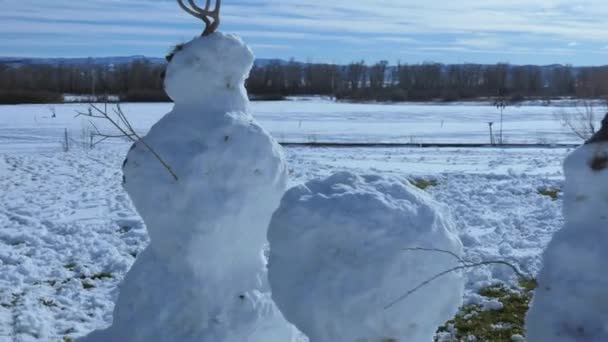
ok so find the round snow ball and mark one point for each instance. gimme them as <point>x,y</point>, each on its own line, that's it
<point>207,64</point>
<point>344,249</point>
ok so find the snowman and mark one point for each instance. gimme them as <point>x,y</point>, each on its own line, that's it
<point>344,250</point>
<point>203,277</point>
<point>571,301</point>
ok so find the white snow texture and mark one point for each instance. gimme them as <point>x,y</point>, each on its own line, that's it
<point>338,258</point>
<point>202,278</point>
<point>571,302</point>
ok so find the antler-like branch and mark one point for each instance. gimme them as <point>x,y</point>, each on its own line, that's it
<point>211,18</point>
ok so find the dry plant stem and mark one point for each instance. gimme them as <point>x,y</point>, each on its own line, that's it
<point>582,122</point>
<point>465,266</point>
<point>124,127</point>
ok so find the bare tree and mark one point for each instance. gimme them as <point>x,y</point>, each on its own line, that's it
<point>356,75</point>
<point>582,121</point>
<point>377,75</point>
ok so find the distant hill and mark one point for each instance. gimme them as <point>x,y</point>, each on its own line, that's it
<point>98,61</point>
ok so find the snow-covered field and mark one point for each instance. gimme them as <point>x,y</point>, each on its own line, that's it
<point>68,232</point>
<point>31,127</point>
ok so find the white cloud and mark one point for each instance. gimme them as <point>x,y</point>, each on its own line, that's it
<point>468,26</point>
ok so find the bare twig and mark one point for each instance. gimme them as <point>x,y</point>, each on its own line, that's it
<point>420,249</point>
<point>465,265</point>
<point>122,124</point>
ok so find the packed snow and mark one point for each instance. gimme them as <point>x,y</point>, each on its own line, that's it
<point>571,301</point>
<point>339,261</point>
<point>70,233</point>
<point>202,277</point>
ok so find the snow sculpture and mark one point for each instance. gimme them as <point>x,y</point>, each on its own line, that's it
<point>203,278</point>
<point>571,301</point>
<point>338,258</point>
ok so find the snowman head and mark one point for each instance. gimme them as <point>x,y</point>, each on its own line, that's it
<point>209,66</point>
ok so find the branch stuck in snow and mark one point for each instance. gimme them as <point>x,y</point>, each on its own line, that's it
<point>122,124</point>
<point>465,265</point>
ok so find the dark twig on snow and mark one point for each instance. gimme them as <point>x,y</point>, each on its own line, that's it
<point>122,124</point>
<point>465,265</point>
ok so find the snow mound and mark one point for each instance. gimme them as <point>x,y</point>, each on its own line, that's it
<point>571,301</point>
<point>202,278</point>
<point>338,257</point>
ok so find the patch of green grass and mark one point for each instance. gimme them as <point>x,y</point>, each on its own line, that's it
<point>67,339</point>
<point>423,184</point>
<point>87,286</point>
<point>70,266</point>
<point>472,320</point>
<point>528,284</point>
<point>552,193</point>
<point>102,275</point>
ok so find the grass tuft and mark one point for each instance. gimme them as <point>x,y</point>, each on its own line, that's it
<point>494,325</point>
<point>423,184</point>
<point>87,286</point>
<point>101,276</point>
<point>552,193</point>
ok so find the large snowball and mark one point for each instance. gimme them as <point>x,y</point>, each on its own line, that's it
<point>338,257</point>
<point>202,278</point>
<point>571,302</point>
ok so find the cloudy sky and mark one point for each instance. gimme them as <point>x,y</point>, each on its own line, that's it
<point>449,31</point>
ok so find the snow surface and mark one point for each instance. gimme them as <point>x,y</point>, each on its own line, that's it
<point>66,221</point>
<point>65,216</point>
<point>202,277</point>
<point>338,260</point>
<point>31,128</point>
<point>571,301</point>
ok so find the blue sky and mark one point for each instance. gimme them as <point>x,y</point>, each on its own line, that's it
<point>339,31</point>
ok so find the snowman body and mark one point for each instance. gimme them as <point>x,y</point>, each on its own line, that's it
<point>202,278</point>
<point>571,301</point>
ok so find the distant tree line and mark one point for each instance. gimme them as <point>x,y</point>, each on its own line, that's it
<point>142,80</point>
